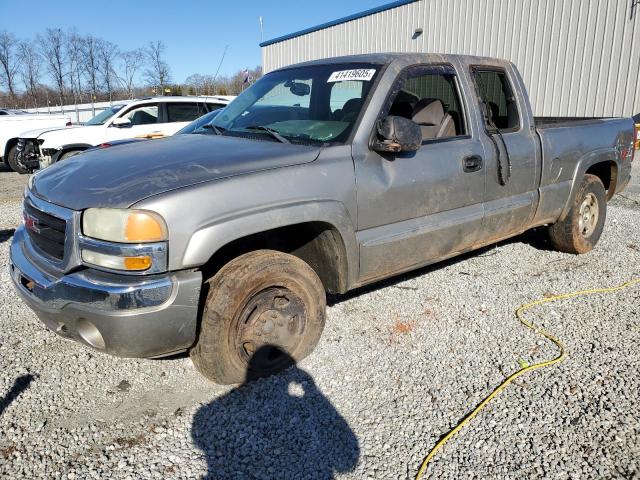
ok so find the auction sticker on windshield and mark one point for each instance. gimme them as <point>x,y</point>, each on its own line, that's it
<point>364,74</point>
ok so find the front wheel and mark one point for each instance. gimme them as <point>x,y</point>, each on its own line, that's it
<point>14,161</point>
<point>580,230</point>
<point>264,310</point>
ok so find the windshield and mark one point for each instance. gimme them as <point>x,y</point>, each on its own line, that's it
<point>104,115</point>
<point>197,125</point>
<point>315,104</point>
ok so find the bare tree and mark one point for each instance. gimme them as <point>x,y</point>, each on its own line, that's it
<point>74,53</point>
<point>30,69</point>
<point>53,51</point>
<point>197,83</point>
<point>158,73</point>
<point>107,54</point>
<point>131,60</point>
<point>9,61</point>
<point>91,64</point>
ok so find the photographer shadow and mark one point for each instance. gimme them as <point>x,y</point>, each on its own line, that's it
<point>278,427</point>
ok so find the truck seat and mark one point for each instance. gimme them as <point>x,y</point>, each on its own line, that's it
<point>434,122</point>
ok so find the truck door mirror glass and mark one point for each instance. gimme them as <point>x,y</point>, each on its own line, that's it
<point>397,134</point>
<point>121,122</point>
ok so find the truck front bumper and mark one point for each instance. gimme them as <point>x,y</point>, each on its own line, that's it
<point>128,316</point>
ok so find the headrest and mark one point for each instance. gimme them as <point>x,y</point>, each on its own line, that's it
<point>351,105</point>
<point>428,111</point>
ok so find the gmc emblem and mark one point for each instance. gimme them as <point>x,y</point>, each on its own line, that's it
<point>31,223</point>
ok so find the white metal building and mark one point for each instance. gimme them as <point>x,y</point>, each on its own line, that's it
<point>578,57</point>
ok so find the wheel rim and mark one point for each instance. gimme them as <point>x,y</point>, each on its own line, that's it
<point>270,325</point>
<point>588,215</point>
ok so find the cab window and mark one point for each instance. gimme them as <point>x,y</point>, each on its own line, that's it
<point>143,115</point>
<point>184,112</point>
<point>431,100</point>
<point>497,99</point>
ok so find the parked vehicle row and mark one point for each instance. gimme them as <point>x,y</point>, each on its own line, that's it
<point>142,118</point>
<point>321,177</point>
<point>197,126</point>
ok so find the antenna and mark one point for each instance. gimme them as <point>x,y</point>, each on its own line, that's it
<point>226,47</point>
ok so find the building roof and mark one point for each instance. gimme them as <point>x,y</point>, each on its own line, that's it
<point>355,16</point>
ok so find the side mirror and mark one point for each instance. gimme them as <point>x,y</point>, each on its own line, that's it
<point>397,134</point>
<point>121,122</point>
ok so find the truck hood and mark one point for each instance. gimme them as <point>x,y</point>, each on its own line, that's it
<point>123,175</point>
<point>36,132</point>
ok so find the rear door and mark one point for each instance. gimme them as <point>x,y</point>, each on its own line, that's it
<point>415,208</point>
<point>513,166</point>
<point>176,115</point>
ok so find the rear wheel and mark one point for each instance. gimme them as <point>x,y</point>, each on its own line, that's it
<point>580,230</point>
<point>14,161</point>
<point>264,311</point>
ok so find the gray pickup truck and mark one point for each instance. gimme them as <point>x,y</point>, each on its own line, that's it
<point>321,177</point>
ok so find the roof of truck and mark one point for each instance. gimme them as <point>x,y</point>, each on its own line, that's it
<point>184,98</point>
<point>407,58</point>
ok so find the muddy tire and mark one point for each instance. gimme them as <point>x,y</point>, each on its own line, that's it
<point>12,160</point>
<point>580,230</point>
<point>264,310</point>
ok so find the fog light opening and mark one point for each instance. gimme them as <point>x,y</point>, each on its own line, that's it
<point>90,334</point>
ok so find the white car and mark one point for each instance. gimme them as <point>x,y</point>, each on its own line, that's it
<point>12,126</point>
<point>149,117</point>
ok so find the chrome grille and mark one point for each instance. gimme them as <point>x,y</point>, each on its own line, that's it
<point>47,232</point>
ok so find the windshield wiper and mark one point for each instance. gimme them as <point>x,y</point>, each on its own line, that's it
<point>270,131</point>
<point>216,130</point>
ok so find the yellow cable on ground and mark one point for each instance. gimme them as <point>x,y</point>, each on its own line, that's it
<point>519,314</point>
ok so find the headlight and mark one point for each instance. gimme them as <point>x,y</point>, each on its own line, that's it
<point>123,225</point>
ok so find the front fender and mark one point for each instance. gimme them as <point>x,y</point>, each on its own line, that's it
<point>209,239</point>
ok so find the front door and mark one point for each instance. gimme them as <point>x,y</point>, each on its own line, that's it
<point>143,121</point>
<point>417,208</point>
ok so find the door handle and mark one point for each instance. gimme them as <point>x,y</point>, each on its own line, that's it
<point>472,163</point>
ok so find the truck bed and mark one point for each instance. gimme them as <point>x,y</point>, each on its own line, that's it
<point>565,144</point>
<point>550,122</point>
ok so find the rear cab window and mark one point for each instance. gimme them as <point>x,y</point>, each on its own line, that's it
<point>497,100</point>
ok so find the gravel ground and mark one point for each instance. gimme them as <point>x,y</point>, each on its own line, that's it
<point>399,364</point>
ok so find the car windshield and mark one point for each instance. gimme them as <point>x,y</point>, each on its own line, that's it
<point>315,104</point>
<point>104,115</point>
<point>197,126</point>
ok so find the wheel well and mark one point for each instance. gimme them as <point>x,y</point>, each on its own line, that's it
<point>317,243</point>
<point>10,143</point>
<point>607,172</point>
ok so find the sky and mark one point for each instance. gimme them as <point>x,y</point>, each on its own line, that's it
<point>195,32</point>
